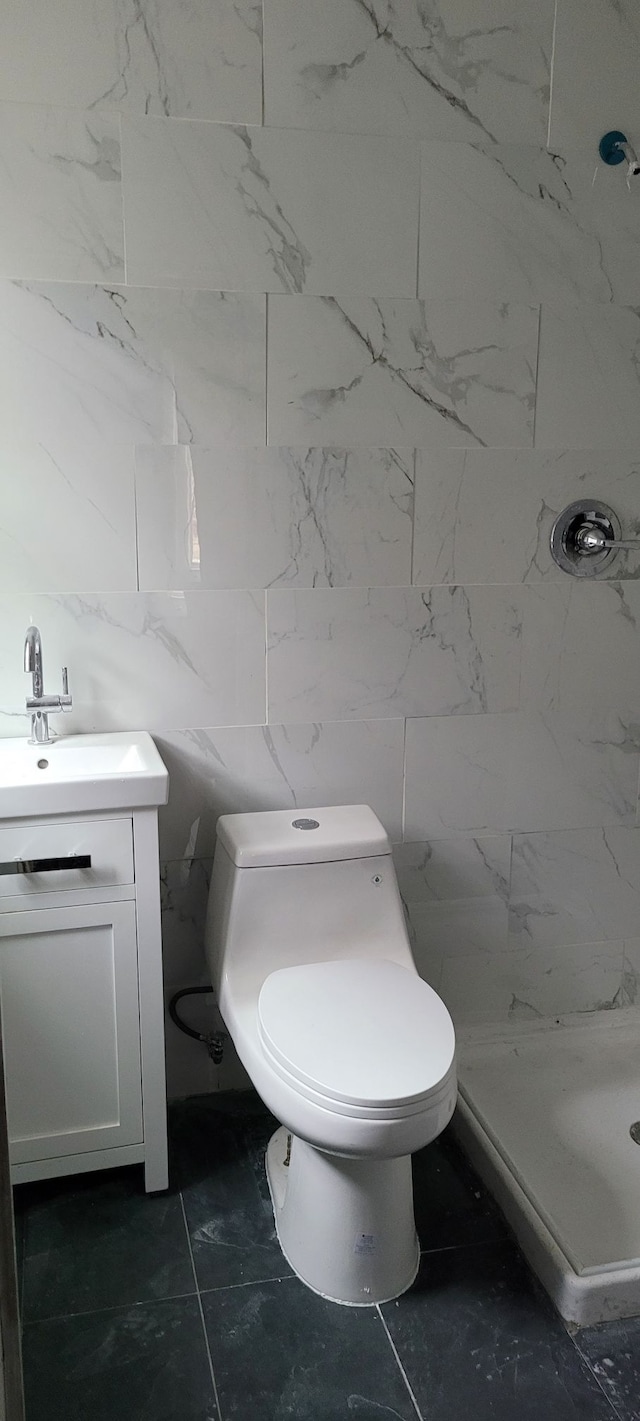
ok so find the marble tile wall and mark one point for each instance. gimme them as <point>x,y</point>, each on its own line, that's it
<point>312,318</point>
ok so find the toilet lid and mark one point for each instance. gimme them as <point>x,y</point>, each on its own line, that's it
<point>360,1031</point>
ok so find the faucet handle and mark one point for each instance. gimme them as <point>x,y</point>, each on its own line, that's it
<point>65,699</point>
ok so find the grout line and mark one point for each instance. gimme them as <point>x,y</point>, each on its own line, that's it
<point>23,1261</point>
<point>497,1242</point>
<point>413,516</point>
<point>98,1312</point>
<point>266,656</point>
<point>404,780</point>
<point>586,1363</point>
<point>534,430</point>
<point>135,517</point>
<point>125,277</point>
<point>201,1310</point>
<point>254,1283</point>
<point>266,368</point>
<point>262,61</point>
<point>552,65</point>
<point>419,234</point>
<point>397,1357</point>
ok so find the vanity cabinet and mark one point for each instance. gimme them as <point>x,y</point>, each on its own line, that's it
<point>81,995</point>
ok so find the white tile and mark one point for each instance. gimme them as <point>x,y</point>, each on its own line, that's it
<point>357,653</point>
<point>427,959</point>
<point>460,927</point>
<point>266,517</point>
<point>471,775</point>
<point>599,664</point>
<point>545,616</point>
<point>595,71</point>
<point>439,484</point>
<point>191,59</point>
<point>459,537</point>
<point>184,890</point>
<point>130,365</point>
<point>400,372</point>
<point>72,360</point>
<point>140,660</point>
<point>524,986</point>
<point>60,194</point>
<point>184,893</point>
<point>63,55</point>
<point>520,223</point>
<point>581,885</point>
<point>573,769</point>
<point>185,58</point>
<point>216,342</point>
<point>67,518</point>
<point>269,210</point>
<point>447,869</point>
<point>246,768</point>
<point>477,988</point>
<point>456,776</point>
<point>588,394</point>
<point>630,993</point>
<point>453,69</point>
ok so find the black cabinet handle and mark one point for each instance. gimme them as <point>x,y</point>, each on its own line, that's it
<point>45,865</point>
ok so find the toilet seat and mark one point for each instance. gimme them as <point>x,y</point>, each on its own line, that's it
<point>364,1034</point>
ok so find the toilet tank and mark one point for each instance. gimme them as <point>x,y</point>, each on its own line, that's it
<point>295,886</point>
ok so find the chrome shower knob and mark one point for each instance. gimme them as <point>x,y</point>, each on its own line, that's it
<point>585,538</point>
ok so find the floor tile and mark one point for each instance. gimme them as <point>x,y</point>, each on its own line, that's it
<point>280,1351</point>
<point>193,1123</point>
<point>613,1352</point>
<point>99,1241</point>
<point>477,1338</point>
<point>146,1363</point>
<point>451,1205</point>
<point>19,1230</point>
<point>256,1130</point>
<point>219,1164</point>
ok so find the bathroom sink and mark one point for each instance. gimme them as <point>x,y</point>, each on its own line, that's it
<point>81,772</point>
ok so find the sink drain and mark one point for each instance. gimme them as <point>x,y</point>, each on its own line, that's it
<point>634,1131</point>
<point>43,764</point>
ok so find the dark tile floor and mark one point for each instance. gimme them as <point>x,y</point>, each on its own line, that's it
<point>180,1307</point>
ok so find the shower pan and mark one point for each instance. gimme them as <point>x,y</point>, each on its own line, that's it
<point>549,1114</point>
<point>549,1108</point>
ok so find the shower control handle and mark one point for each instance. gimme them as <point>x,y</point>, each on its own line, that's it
<point>586,538</point>
<point>589,538</point>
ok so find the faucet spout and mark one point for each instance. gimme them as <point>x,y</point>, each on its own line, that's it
<point>33,659</point>
<point>38,704</point>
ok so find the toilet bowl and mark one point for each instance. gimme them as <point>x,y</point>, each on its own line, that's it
<point>348,1047</point>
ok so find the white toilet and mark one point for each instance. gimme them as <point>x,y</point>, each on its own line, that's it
<point>309,954</point>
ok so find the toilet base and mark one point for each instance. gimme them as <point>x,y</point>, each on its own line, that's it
<point>345,1226</point>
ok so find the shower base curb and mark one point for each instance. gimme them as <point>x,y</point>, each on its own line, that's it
<point>581,1299</point>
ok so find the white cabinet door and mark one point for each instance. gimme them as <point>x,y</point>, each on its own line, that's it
<point>69,1001</point>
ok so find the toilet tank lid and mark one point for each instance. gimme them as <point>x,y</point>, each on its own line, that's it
<point>288,836</point>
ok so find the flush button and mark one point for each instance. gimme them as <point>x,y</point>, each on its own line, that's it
<point>305,824</point>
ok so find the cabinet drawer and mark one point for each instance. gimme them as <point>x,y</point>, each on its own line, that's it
<point>39,852</point>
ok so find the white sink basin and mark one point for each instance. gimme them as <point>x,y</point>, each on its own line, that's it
<point>81,772</point>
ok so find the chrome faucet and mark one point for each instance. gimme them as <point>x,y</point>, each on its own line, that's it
<point>42,706</point>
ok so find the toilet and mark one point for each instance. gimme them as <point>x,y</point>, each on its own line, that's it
<point>309,954</point>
